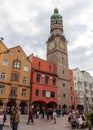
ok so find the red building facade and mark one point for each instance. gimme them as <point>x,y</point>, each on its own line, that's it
<point>44,83</point>
<point>72,93</point>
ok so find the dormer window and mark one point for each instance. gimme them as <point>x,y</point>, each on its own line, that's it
<point>16,64</point>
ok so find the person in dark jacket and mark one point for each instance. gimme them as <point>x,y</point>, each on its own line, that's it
<point>31,113</point>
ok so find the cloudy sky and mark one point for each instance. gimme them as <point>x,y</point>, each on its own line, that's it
<point>27,23</point>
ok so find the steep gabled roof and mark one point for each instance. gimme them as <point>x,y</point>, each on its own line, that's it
<point>18,49</point>
<point>3,48</point>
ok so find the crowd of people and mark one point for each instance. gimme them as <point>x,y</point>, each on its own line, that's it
<point>14,118</point>
<point>49,114</point>
<point>77,119</point>
<point>80,119</point>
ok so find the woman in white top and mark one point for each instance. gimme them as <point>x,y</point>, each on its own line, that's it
<point>54,115</point>
<point>1,120</point>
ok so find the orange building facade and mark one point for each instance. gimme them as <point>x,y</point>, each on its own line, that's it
<point>15,72</point>
<point>72,93</point>
<point>44,83</point>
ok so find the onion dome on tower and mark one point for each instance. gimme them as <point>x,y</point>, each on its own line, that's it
<point>56,24</point>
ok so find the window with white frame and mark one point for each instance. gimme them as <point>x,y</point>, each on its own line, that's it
<point>2,89</point>
<point>25,80</point>
<point>2,75</point>
<point>5,62</point>
<point>16,64</point>
<point>13,91</point>
<point>24,92</point>
<point>26,68</point>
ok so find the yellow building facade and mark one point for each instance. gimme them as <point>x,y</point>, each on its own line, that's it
<point>15,76</point>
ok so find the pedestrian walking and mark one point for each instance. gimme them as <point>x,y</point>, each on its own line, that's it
<point>92,118</point>
<point>42,113</point>
<point>12,112</point>
<point>1,119</point>
<point>15,119</point>
<point>31,113</point>
<point>5,117</point>
<point>54,115</point>
<point>37,113</point>
<point>62,112</point>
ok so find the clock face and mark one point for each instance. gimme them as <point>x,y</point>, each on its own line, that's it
<point>51,45</point>
<point>61,45</point>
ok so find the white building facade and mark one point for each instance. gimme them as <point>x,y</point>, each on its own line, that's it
<point>79,88</point>
<point>88,86</point>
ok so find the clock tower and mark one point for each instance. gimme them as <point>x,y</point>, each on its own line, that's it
<point>57,54</point>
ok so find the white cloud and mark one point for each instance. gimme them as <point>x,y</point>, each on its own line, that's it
<point>27,23</point>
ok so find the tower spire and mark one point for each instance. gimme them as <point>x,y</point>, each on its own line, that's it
<point>56,27</point>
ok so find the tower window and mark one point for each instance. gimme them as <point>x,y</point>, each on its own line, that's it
<point>63,85</point>
<point>64,95</point>
<point>62,58</point>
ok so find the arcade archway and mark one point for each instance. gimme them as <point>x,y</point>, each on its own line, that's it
<point>11,103</point>
<point>23,107</point>
<point>1,103</point>
<point>51,105</point>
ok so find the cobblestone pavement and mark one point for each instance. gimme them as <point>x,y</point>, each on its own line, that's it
<point>41,124</point>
